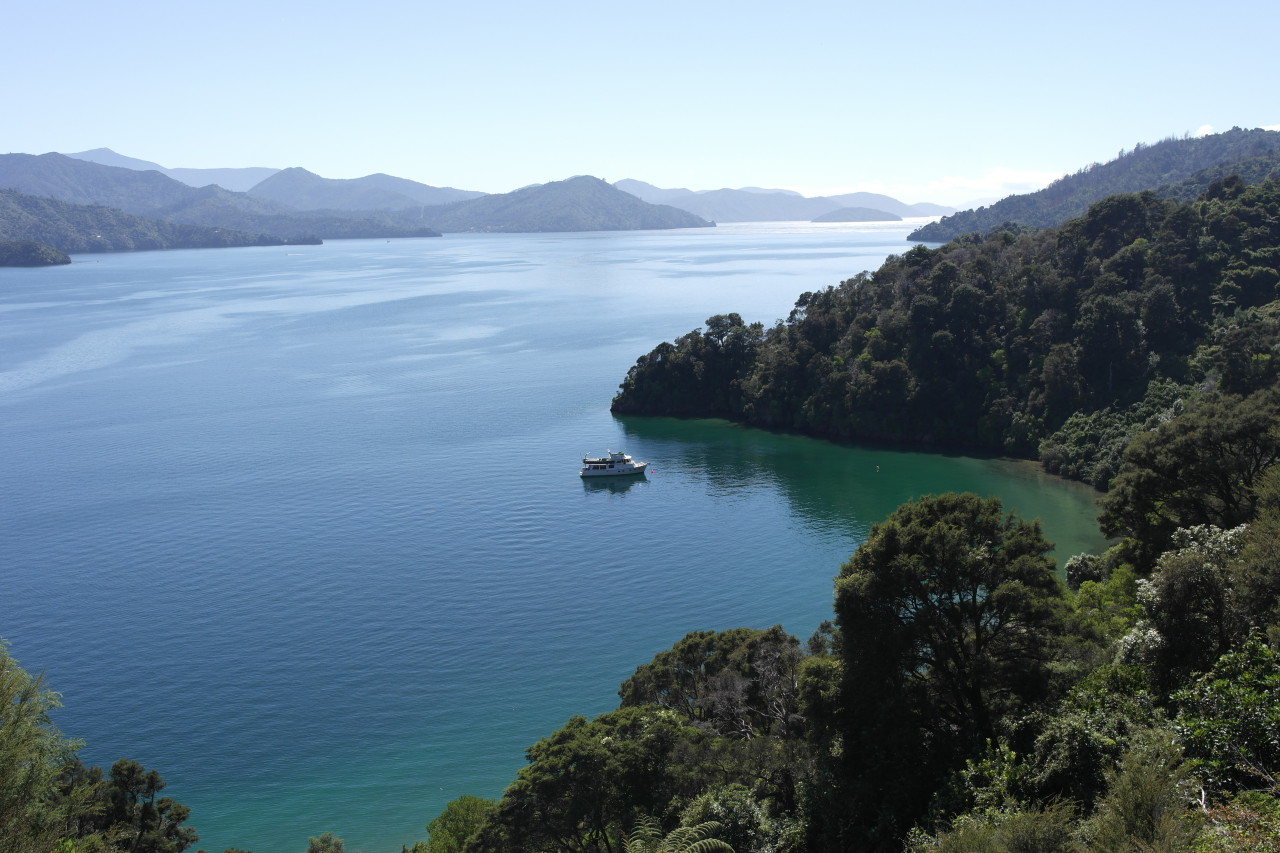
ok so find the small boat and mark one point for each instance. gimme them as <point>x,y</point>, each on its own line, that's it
<point>613,464</point>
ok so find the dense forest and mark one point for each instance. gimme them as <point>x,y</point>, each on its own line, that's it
<point>1175,168</point>
<point>967,695</point>
<point>1059,342</point>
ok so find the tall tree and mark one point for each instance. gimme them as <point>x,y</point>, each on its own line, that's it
<point>948,616</point>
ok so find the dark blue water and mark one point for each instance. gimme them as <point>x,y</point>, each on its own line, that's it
<point>302,529</point>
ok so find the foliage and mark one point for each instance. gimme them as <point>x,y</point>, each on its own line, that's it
<point>1047,830</point>
<point>591,777</point>
<point>958,602</point>
<point>1255,575</point>
<point>326,843</point>
<point>1090,446</point>
<point>647,837</point>
<point>1229,720</point>
<point>740,683</point>
<point>1247,823</point>
<point>145,822</point>
<point>453,828</point>
<point>949,615</point>
<point>50,802</point>
<point>745,820</point>
<point>1190,613</point>
<point>1203,467</point>
<point>1105,610</point>
<point>1145,807</point>
<point>32,753</point>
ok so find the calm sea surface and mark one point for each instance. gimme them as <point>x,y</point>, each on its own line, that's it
<point>302,529</point>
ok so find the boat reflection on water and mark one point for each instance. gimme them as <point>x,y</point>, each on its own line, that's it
<point>616,485</point>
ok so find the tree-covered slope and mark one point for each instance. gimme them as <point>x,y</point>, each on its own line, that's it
<point>75,228</point>
<point>995,342</point>
<point>1147,167</point>
<point>30,253</point>
<point>583,203</point>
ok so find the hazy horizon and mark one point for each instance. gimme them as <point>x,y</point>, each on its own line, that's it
<point>946,103</point>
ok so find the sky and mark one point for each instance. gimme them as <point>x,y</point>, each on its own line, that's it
<point>925,101</point>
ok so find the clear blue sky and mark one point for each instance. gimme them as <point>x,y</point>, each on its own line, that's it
<point>926,101</point>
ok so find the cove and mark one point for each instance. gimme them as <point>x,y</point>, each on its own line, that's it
<point>301,527</point>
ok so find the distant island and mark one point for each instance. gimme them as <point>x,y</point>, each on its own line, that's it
<point>857,214</point>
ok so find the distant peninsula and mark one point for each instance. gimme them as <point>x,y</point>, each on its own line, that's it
<point>73,228</point>
<point>858,214</point>
<point>30,253</point>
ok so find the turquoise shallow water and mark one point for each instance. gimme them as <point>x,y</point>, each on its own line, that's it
<point>301,527</point>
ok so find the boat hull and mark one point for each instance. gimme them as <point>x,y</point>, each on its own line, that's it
<point>612,472</point>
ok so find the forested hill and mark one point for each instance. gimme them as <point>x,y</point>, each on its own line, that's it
<point>74,228</point>
<point>582,203</point>
<point>303,190</point>
<point>996,343</point>
<point>1177,168</point>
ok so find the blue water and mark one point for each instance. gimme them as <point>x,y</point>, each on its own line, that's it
<point>301,527</point>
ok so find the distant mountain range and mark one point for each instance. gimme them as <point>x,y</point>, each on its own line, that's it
<point>153,195</point>
<point>753,204</point>
<point>236,180</point>
<point>246,206</point>
<point>289,205</point>
<point>1175,168</point>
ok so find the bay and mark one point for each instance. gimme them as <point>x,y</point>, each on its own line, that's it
<point>301,527</point>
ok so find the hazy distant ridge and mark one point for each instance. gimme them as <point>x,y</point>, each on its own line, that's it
<point>152,195</point>
<point>305,190</point>
<point>753,204</point>
<point>236,180</point>
<point>578,204</point>
<point>1166,167</point>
